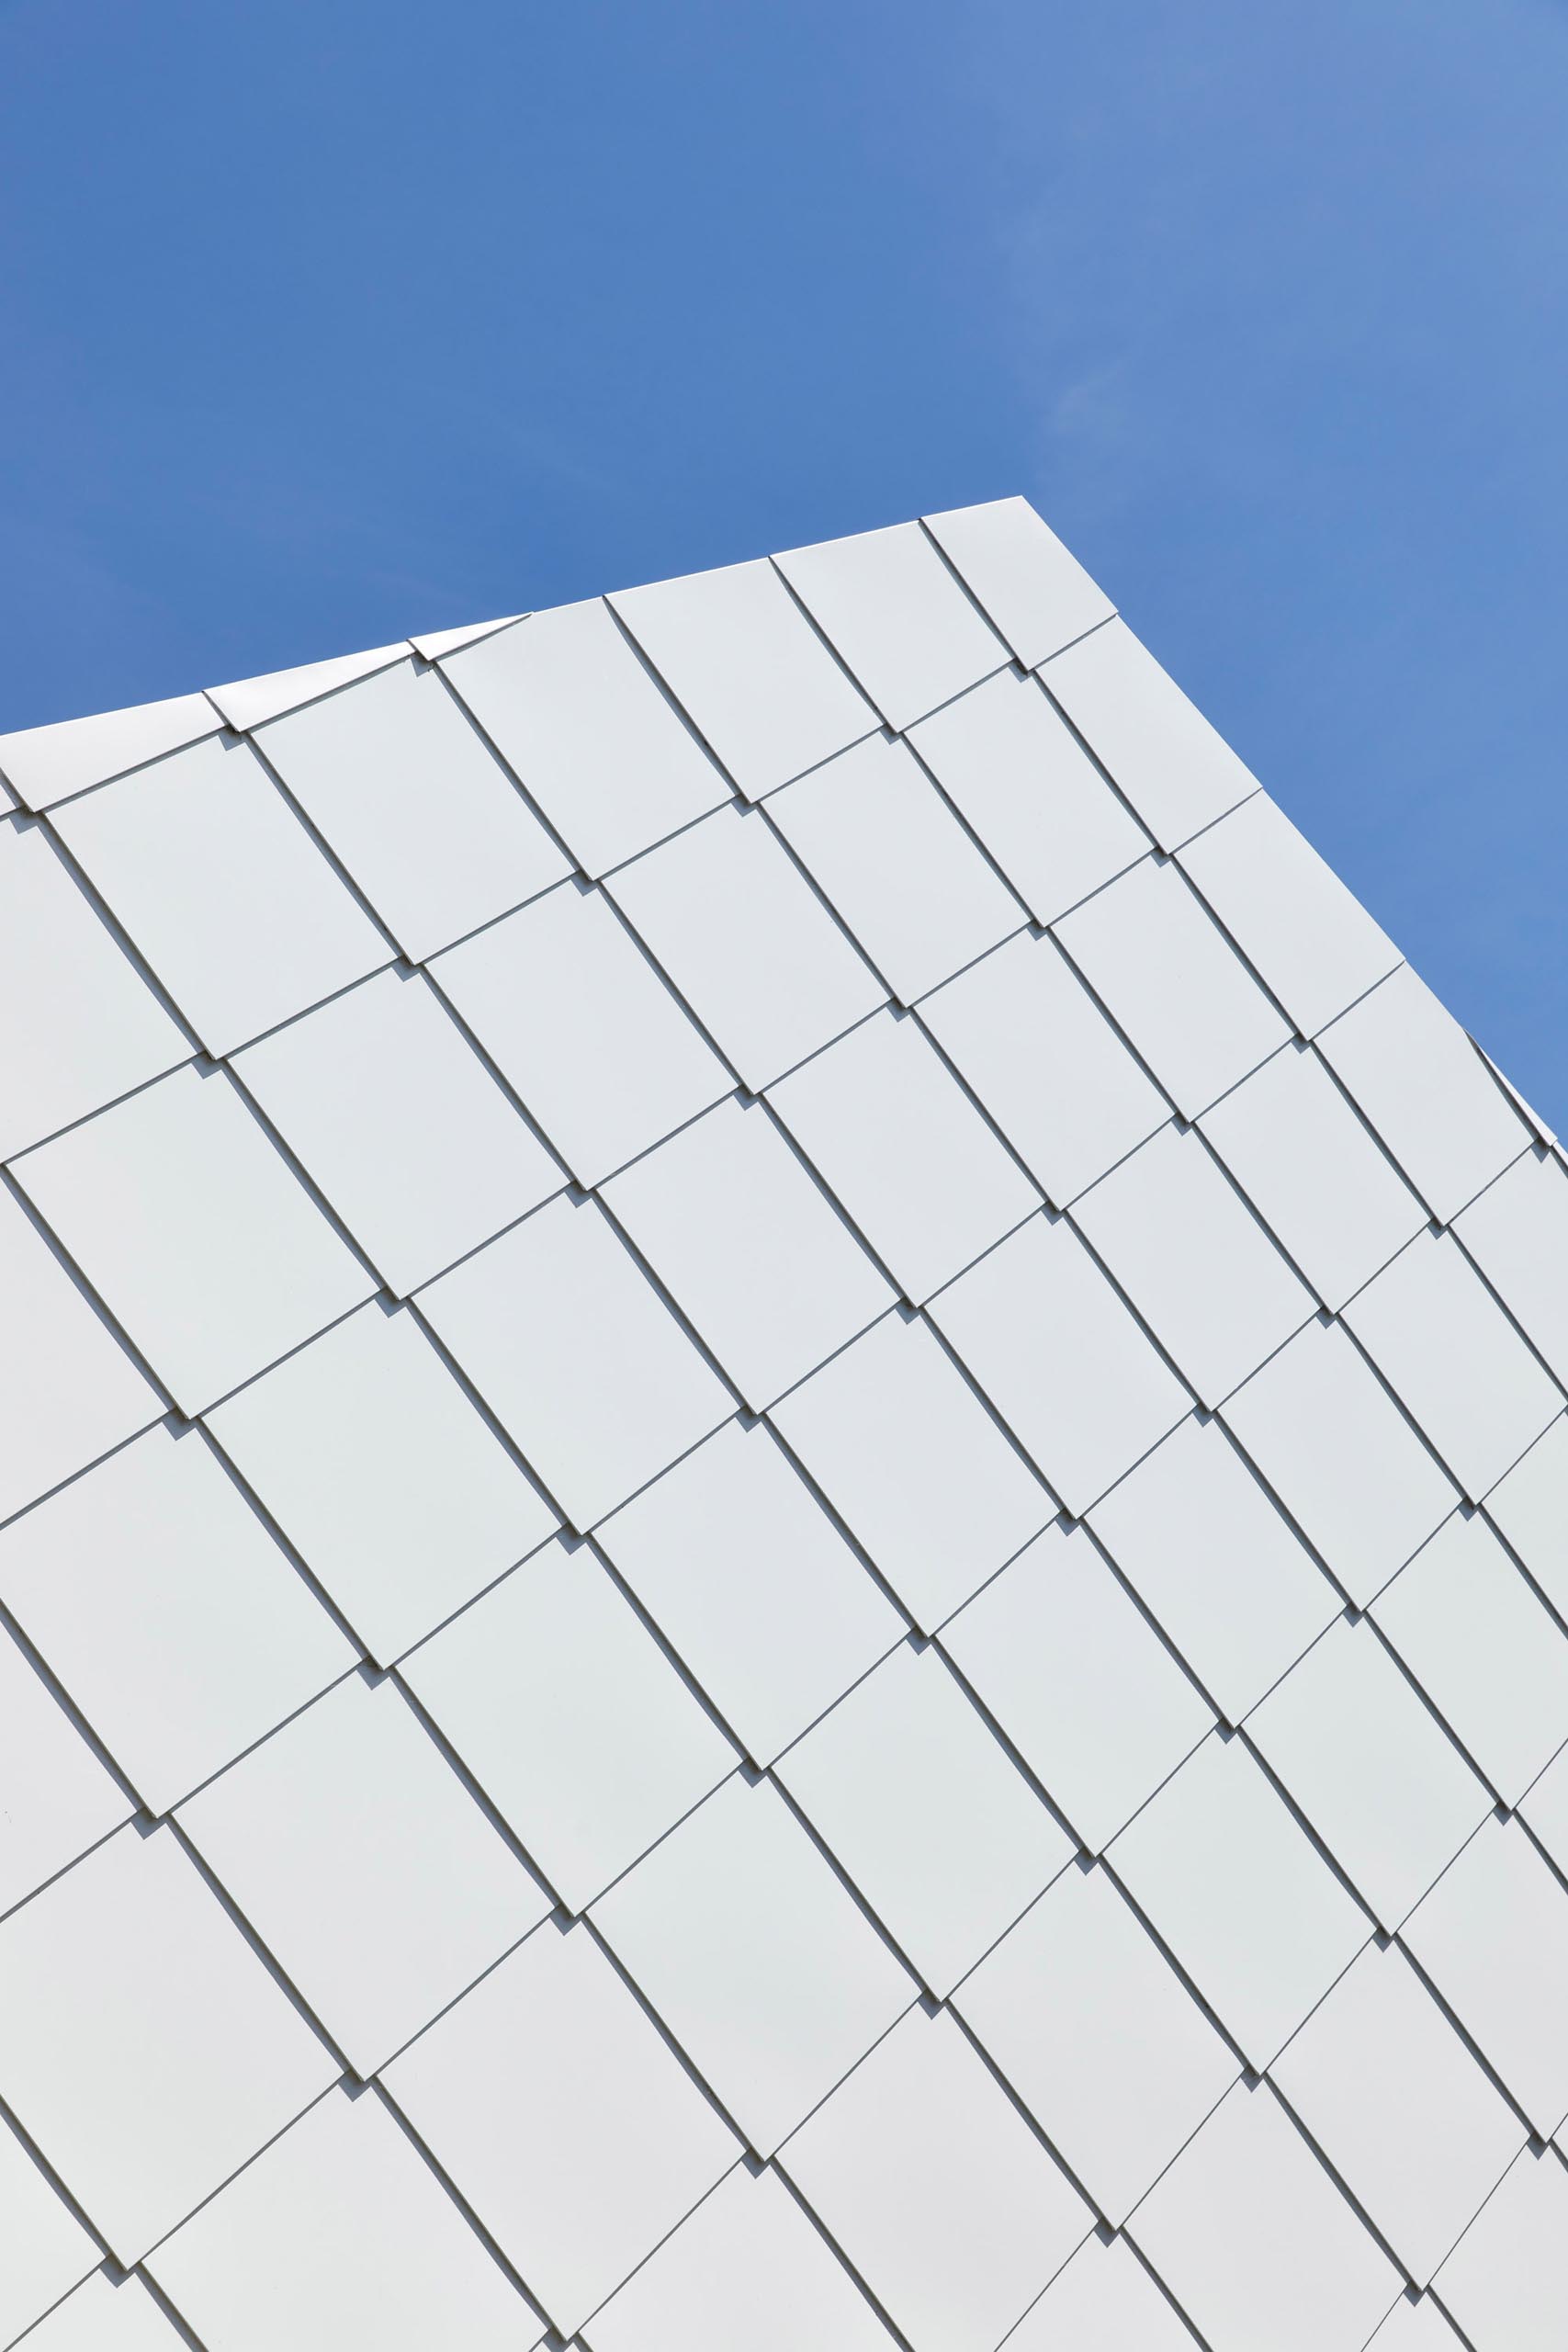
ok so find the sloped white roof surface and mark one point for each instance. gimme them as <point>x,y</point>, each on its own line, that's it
<point>784,1492</point>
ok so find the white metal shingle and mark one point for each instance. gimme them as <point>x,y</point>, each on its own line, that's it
<point>143,2044</point>
<point>1100,2037</point>
<point>400,1126</point>
<point>195,1232</point>
<point>748,2267</point>
<point>753,1252</point>
<point>401,785</point>
<point>46,2251</point>
<point>1079,1680</point>
<point>351,1847</point>
<point>1153,955</point>
<point>926,1812</point>
<point>221,888</point>
<point>750,1582</point>
<point>1213,1557</point>
<point>1235,1886</point>
<point>1086,1411</point>
<point>1020,779</point>
<point>921,1473</point>
<point>1038,1053</point>
<point>340,2233</point>
<point>1504,2282</point>
<point>597,746</point>
<point>1371,1768</point>
<point>942,2197</point>
<point>576,1726</point>
<point>46,764</point>
<point>756,1957</point>
<point>172,1618</point>
<point>748,670</point>
<point>730,918</point>
<point>896,616</point>
<point>887,852</point>
<point>1258,2244</point>
<point>387,1480</point>
<point>1400,2107</point>
<point>578,1356</point>
<point>555,2106</point>
<point>588,1035</point>
<point>94,1028</point>
<point>1036,592</point>
<point>905,1153</point>
<point>1176,772</point>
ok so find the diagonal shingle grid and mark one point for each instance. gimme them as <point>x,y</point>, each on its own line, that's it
<point>802,1606</point>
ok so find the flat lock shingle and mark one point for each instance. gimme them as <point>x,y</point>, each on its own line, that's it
<point>48,2252</point>
<point>752,1249</point>
<point>942,2197</point>
<point>1334,1201</point>
<point>403,788</point>
<point>94,1029</point>
<point>916,1463</point>
<point>1493,1937</point>
<point>1504,2282</point>
<point>221,888</point>
<point>1104,2300</point>
<point>595,742</point>
<point>398,1123</point>
<point>340,2233</point>
<point>1178,774</point>
<point>578,1356</point>
<point>578,1728</point>
<point>748,2266</point>
<point>753,676</point>
<point>1017,569</point>
<point>143,2044</point>
<point>102,2317</point>
<point>1316,947</point>
<point>753,1585</point>
<point>756,1958</point>
<point>896,616</point>
<point>1091,1698</point>
<point>1400,2107</point>
<point>1020,778</point>
<point>1454,1361</point>
<point>386,1479</point>
<point>910,1790</point>
<point>1256,2241</point>
<point>1233,1885</point>
<point>562,2115</point>
<point>1333,1446</point>
<point>1517,1231</point>
<point>74,1391</point>
<point>1098,2037</point>
<point>889,856</point>
<point>1093,1404</point>
<point>734,924</point>
<point>169,1611</point>
<point>47,764</point>
<point>60,1799</point>
<point>1216,1563</point>
<point>905,1153</point>
<point>1371,1768</point>
<point>1040,1056</point>
<point>354,1850</point>
<point>1197,1264</point>
<point>196,1234</point>
<point>1488,1653</point>
<point>1427,1092</point>
<point>921,1472</point>
<point>1157,959</point>
<point>596,1047</point>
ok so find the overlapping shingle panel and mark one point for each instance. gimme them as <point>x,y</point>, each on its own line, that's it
<point>744,1722</point>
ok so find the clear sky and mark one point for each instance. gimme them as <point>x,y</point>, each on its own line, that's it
<point>329,320</point>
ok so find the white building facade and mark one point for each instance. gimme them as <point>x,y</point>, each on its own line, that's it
<point>783,1513</point>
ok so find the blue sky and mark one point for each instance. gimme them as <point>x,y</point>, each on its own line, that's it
<point>329,322</point>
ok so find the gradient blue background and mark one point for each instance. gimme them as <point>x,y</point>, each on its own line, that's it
<point>325,320</point>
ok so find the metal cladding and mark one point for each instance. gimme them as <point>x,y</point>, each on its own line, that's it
<point>783,1513</point>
